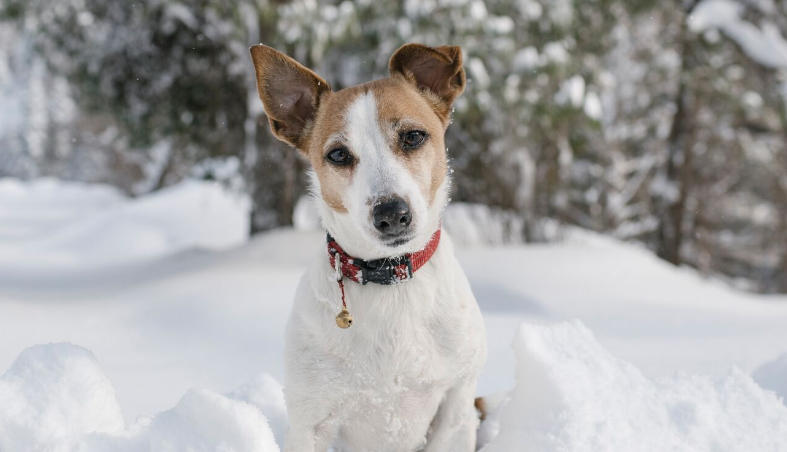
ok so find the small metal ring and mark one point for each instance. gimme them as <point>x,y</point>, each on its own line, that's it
<point>337,263</point>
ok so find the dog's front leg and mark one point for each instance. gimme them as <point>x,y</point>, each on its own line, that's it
<point>455,424</point>
<point>312,428</point>
<point>300,439</point>
<point>307,437</point>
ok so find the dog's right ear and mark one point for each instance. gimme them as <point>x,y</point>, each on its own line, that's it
<point>290,94</point>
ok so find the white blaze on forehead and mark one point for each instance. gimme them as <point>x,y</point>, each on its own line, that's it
<point>380,174</point>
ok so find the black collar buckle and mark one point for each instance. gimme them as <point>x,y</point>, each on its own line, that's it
<point>386,271</point>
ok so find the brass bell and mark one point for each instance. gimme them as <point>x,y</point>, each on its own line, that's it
<point>344,319</point>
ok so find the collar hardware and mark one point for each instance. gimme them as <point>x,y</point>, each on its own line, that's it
<point>386,271</point>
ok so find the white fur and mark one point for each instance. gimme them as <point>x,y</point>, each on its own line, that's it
<point>403,377</point>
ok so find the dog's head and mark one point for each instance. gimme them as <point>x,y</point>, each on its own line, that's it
<point>377,149</point>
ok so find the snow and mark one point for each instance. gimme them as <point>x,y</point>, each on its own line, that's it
<point>593,106</point>
<point>573,395</point>
<point>713,14</point>
<point>478,73</point>
<point>478,10</point>
<point>206,421</point>
<point>501,24</point>
<point>478,224</point>
<point>555,52</point>
<point>305,216</point>
<point>526,59</point>
<point>180,12</point>
<point>660,318</point>
<point>43,206</point>
<point>56,398</point>
<point>764,44</point>
<point>53,228</point>
<point>530,9</point>
<point>209,312</point>
<point>51,395</point>
<point>773,375</point>
<point>267,394</point>
<point>572,92</point>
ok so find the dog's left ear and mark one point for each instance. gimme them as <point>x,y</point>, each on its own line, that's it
<point>436,71</point>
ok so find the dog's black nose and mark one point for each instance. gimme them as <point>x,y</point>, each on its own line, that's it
<point>392,217</point>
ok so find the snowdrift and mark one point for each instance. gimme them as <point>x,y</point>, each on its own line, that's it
<point>86,265</point>
<point>51,396</point>
<point>56,398</point>
<point>773,375</point>
<point>51,226</point>
<point>571,395</point>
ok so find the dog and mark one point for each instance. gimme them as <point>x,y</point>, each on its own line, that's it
<point>385,340</point>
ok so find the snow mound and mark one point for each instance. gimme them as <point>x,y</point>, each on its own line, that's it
<point>53,394</point>
<point>267,394</point>
<point>206,421</point>
<point>773,375</point>
<point>108,230</point>
<point>573,395</point>
<point>478,224</point>
<point>202,421</point>
<point>56,398</point>
<point>30,209</point>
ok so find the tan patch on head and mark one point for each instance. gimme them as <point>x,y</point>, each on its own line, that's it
<point>400,108</point>
<point>328,124</point>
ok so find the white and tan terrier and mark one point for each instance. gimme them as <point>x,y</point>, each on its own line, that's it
<point>403,376</point>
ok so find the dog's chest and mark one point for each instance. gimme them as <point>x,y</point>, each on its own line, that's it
<point>394,360</point>
<point>407,336</point>
<point>399,359</point>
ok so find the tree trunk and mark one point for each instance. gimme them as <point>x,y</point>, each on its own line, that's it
<point>781,280</point>
<point>670,206</point>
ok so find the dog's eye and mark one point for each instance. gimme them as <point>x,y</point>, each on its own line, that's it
<point>413,139</point>
<point>339,156</point>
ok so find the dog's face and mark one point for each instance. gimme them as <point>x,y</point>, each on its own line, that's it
<point>377,149</point>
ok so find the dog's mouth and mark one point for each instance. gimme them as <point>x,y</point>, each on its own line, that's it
<point>397,240</point>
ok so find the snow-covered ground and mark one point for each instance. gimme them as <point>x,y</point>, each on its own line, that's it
<point>164,294</point>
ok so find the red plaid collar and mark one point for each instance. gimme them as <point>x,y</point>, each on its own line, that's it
<point>387,271</point>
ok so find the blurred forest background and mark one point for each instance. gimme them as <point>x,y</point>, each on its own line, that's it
<point>663,122</point>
